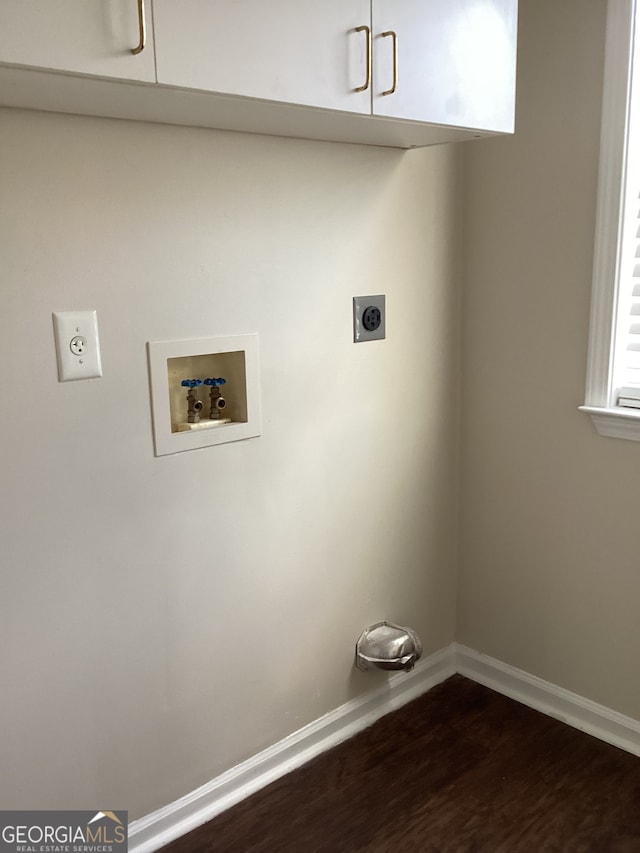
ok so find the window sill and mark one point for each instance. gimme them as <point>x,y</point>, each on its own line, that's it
<point>615,423</point>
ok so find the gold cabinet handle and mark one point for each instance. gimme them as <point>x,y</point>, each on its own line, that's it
<point>394,36</point>
<point>143,29</point>
<point>367,82</point>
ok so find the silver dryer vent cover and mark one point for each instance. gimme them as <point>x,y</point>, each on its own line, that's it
<point>388,646</point>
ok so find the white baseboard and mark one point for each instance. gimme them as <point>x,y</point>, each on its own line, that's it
<point>153,831</point>
<point>576,711</point>
<point>160,827</point>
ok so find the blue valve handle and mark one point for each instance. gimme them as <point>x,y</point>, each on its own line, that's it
<point>191,383</point>
<point>215,382</point>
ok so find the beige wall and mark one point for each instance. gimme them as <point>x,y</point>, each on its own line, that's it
<point>163,619</point>
<point>550,576</point>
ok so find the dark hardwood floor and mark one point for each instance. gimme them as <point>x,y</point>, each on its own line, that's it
<point>460,770</point>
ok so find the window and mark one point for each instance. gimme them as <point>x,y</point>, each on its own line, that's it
<point>613,372</point>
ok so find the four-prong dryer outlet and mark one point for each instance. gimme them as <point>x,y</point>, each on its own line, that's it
<point>368,318</point>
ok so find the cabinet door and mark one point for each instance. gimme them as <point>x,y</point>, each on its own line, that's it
<point>456,61</point>
<point>77,35</point>
<point>296,51</point>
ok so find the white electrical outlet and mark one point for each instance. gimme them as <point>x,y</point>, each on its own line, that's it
<point>77,345</point>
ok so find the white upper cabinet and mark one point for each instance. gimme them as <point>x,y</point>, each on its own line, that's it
<point>304,52</point>
<point>93,37</point>
<point>402,73</point>
<point>450,62</point>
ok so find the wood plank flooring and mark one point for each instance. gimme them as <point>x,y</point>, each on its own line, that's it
<point>460,770</point>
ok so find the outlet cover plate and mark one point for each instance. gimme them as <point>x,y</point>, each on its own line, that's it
<point>77,345</point>
<point>360,305</point>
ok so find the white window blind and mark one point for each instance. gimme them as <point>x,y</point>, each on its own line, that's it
<point>612,394</point>
<point>626,354</point>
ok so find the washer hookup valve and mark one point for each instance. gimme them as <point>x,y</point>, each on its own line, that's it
<point>217,400</point>
<point>194,406</point>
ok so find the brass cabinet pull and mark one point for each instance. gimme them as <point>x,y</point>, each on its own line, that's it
<point>367,82</point>
<point>394,36</point>
<point>143,29</point>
